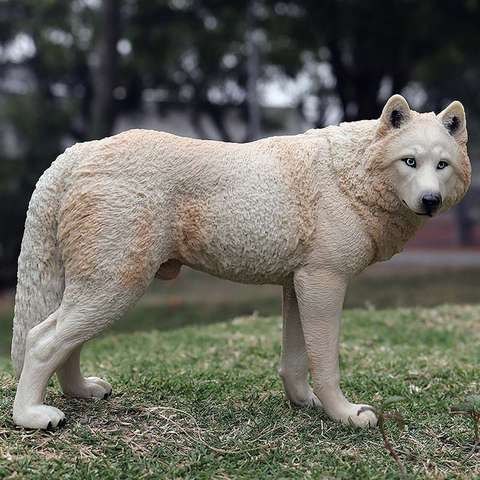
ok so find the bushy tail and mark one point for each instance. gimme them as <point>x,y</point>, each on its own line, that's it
<point>41,276</point>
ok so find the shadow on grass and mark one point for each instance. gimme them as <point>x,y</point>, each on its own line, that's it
<point>428,289</point>
<point>166,317</point>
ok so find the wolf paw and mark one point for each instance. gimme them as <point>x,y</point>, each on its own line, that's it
<point>349,416</point>
<point>308,399</point>
<point>39,417</point>
<point>90,387</point>
<point>299,391</point>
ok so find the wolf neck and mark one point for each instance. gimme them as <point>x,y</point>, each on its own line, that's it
<point>386,221</point>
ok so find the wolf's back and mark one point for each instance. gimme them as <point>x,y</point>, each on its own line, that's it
<point>41,276</point>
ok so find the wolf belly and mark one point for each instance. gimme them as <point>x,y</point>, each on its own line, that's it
<point>249,236</point>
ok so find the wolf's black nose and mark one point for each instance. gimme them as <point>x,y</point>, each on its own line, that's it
<point>431,200</point>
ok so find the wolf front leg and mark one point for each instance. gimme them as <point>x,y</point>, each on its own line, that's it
<point>320,297</point>
<point>295,363</point>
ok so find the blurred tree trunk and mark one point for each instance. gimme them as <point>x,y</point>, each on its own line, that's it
<point>217,115</point>
<point>253,73</point>
<point>104,111</point>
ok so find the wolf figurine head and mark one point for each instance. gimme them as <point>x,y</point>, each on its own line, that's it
<point>424,156</point>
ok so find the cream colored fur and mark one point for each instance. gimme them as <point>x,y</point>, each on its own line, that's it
<point>307,212</point>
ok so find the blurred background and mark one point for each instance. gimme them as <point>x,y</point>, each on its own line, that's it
<point>72,71</point>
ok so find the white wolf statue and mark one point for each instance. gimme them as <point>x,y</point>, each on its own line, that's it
<point>307,212</point>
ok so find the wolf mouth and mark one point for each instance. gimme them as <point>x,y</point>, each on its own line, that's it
<point>426,214</point>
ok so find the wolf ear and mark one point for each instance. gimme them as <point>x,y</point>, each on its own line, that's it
<point>453,119</point>
<point>396,112</point>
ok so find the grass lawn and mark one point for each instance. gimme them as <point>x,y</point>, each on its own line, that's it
<point>207,402</point>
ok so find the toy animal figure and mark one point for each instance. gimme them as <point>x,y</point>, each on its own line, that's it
<point>307,212</point>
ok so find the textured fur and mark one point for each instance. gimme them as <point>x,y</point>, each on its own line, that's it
<point>307,212</point>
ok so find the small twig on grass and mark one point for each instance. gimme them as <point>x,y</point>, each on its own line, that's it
<point>382,416</point>
<point>470,407</point>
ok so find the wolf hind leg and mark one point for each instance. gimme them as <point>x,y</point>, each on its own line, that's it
<point>55,344</point>
<point>45,351</point>
<point>74,384</point>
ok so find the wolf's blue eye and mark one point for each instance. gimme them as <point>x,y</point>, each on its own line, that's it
<point>410,162</point>
<point>442,164</point>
